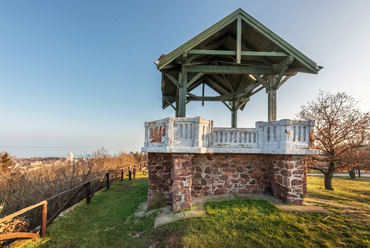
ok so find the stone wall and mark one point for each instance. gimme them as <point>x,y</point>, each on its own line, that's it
<point>230,174</point>
<point>160,180</point>
<point>182,182</point>
<point>174,179</point>
<point>289,178</point>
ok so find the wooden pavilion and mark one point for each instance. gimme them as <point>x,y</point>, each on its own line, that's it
<point>236,57</point>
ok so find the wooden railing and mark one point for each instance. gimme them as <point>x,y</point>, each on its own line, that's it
<point>119,173</point>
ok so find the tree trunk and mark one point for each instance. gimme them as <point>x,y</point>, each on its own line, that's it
<point>359,172</point>
<point>329,176</point>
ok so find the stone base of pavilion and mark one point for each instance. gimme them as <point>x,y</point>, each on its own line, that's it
<point>189,158</point>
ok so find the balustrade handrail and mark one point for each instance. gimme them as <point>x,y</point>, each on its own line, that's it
<point>44,221</point>
<point>200,136</point>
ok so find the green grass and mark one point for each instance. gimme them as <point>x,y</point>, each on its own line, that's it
<point>108,221</point>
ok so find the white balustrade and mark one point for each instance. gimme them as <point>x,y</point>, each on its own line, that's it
<point>197,135</point>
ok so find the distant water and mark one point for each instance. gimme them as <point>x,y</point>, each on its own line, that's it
<point>31,151</point>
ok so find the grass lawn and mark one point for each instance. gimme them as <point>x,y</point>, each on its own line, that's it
<point>109,221</point>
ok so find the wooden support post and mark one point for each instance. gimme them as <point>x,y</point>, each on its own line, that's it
<point>88,198</point>
<point>183,89</point>
<point>271,99</point>
<point>203,94</point>
<point>44,217</point>
<point>121,174</point>
<point>107,176</point>
<point>234,115</point>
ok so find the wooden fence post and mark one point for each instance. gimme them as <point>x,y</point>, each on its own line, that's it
<point>107,175</point>
<point>88,198</point>
<point>44,217</point>
<point>121,174</point>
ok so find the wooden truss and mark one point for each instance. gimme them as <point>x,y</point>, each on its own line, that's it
<point>237,57</point>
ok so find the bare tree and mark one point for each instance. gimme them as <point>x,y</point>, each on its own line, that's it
<point>340,128</point>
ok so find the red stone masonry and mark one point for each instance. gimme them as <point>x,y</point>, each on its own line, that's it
<point>175,178</point>
<point>160,168</point>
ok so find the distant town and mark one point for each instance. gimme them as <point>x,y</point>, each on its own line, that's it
<point>34,163</point>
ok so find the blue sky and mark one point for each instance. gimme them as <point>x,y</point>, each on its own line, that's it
<point>79,75</point>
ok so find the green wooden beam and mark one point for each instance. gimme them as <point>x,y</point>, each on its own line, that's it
<point>256,76</point>
<point>195,78</point>
<point>192,97</point>
<point>216,87</point>
<point>280,42</point>
<point>183,89</point>
<point>196,40</point>
<point>280,76</point>
<point>256,91</point>
<point>228,82</point>
<point>283,81</point>
<point>227,105</point>
<point>221,81</point>
<point>242,105</point>
<point>217,98</point>
<point>284,63</point>
<point>212,52</point>
<point>173,80</point>
<point>170,104</point>
<point>228,69</point>
<point>248,89</point>
<point>242,53</point>
<point>191,58</point>
<point>234,115</point>
<point>271,99</point>
<point>238,40</point>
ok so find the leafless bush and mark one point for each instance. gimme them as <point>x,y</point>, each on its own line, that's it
<point>17,224</point>
<point>20,190</point>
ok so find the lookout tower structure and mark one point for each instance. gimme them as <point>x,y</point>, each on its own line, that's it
<point>189,157</point>
<point>236,57</point>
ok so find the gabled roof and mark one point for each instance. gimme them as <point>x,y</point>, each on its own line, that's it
<point>255,37</point>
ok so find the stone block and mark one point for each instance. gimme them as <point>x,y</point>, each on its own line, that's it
<point>197,175</point>
<point>289,165</point>
<point>296,182</point>
<point>279,179</point>
<point>219,192</point>
<point>229,170</point>
<point>286,173</point>
<point>245,176</point>
<point>216,172</point>
<point>257,175</point>
<point>223,177</point>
